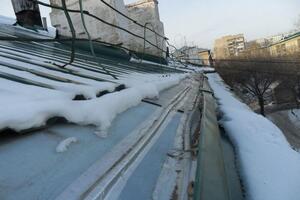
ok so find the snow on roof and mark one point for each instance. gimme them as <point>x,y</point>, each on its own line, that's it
<point>269,166</point>
<point>34,89</point>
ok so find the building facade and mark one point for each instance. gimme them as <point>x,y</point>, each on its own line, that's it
<point>229,46</point>
<point>275,38</point>
<point>96,29</point>
<point>277,46</point>
<point>288,46</point>
<point>190,55</point>
<point>205,56</point>
<point>144,11</point>
<point>256,49</point>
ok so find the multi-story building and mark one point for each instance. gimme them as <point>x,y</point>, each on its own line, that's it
<point>279,37</point>
<point>275,38</point>
<point>287,46</point>
<point>190,55</point>
<point>276,46</point>
<point>229,46</point>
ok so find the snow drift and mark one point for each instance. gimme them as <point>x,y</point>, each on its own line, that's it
<point>270,168</point>
<point>34,112</point>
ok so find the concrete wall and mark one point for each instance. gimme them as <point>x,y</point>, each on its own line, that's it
<point>145,11</point>
<point>97,29</point>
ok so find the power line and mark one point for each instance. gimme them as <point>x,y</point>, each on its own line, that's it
<point>14,39</point>
<point>91,42</point>
<point>134,21</point>
<point>84,12</point>
<point>101,20</point>
<point>64,6</point>
<point>244,60</point>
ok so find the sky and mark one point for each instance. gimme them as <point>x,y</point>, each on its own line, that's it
<point>200,22</point>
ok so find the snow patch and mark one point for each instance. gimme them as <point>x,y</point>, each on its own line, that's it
<point>36,108</point>
<point>269,166</point>
<point>63,145</point>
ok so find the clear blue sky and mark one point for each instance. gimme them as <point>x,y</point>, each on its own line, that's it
<point>202,21</point>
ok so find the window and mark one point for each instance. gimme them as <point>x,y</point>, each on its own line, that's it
<point>283,49</point>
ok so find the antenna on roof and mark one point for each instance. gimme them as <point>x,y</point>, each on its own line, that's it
<point>27,13</point>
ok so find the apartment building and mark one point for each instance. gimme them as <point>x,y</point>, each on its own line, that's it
<point>275,38</point>
<point>191,55</point>
<point>229,46</point>
<point>287,46</point>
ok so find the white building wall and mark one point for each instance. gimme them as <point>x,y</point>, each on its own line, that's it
<point>97,29</point>
<point>193,55</point>
<point>144,11</point>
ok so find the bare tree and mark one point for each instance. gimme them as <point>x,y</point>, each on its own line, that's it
<point>259,79</point>
<point>292,83</point>
<point>258,84</point>
<point>252,79</point>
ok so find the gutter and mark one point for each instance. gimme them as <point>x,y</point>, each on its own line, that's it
<point>211,181</point>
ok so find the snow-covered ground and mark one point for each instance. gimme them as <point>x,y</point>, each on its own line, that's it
<point>289,122</point>
<point>269,167</point>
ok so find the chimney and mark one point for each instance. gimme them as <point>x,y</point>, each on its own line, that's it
<point>27,13</point>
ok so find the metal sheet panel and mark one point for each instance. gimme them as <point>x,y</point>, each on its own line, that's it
<point>211,178</point>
